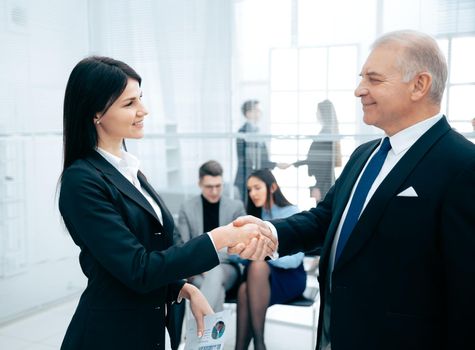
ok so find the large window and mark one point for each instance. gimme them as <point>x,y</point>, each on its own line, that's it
<point>458,100</point>
<point>300,78</point>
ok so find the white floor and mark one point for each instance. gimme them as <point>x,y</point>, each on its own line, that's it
<point>286,328</point>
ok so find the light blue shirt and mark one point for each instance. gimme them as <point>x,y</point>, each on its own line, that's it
<point>276,212</point>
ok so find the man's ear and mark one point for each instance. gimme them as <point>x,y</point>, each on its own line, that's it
<point>422,83</point>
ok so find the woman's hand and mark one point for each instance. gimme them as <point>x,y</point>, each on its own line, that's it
<point>283,166</point>
<point>247,236</point>
<point>258,249</point>
<point>231,235</point>
<point>199,305</point>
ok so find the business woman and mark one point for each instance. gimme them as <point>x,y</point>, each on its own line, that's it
<point>267,282</point>
<point>119,222</point>
<point>323,156</point>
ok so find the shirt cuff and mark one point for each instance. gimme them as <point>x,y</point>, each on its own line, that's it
<point>211,238</point>
<point>274,232</point>
<point>180,296</point>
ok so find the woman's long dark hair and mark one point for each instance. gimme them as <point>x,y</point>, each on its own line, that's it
<point>278,197</point>
<point>94,85</point>
<point>328,118</point>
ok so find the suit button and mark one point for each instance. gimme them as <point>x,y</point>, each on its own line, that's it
<point>157,233</point>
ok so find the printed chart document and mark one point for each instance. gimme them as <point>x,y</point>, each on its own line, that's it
<point>214,335</point>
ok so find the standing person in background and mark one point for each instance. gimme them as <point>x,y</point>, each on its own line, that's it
<point>204,213</point>
<point>121,225</point>
<point>267,282</point>
<point>323,156</point>
<point>397,269</point>
<point>251,155</point>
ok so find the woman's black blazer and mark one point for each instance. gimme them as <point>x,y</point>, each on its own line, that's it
<point>127,255</point>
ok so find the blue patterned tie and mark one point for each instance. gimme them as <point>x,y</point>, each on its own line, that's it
<point>369,175</point>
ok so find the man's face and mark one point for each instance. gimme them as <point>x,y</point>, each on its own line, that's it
<point>211,188</point>
<point>254,114</point>
<point>386,99</point>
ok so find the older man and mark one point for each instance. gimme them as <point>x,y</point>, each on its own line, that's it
<point>397,269</point>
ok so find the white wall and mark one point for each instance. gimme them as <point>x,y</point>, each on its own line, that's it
<point>38,261</point>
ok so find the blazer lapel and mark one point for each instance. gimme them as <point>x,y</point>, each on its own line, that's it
<point>370,216</point>
<point>167,217</point>
<point>124,185</point>
<point>342,196</point>
<point>198,210</point>
<point>223,211</point>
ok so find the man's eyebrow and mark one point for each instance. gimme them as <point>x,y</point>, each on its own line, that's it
<point>371,73</point>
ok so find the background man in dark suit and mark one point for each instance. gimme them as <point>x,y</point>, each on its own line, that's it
<point>251,155</point>
<point>397,269</point>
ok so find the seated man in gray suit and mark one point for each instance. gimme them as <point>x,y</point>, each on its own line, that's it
<point>203,213</point>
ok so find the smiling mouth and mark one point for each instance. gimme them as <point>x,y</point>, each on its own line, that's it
<point>138,123</point>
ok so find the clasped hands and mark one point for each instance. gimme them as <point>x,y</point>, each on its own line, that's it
<point>247,236</point>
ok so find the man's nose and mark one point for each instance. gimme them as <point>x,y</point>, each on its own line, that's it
<point>361,90</point>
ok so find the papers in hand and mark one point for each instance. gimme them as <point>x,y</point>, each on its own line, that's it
<point>214,334</point>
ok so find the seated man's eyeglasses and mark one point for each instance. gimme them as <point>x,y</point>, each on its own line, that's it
<point>211,187</point>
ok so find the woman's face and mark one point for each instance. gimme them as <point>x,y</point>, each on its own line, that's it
<point>319,117</point>
<point>124,118</point>
<point>257,191</point>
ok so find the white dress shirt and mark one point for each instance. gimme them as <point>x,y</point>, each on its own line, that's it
<point>128,165</point>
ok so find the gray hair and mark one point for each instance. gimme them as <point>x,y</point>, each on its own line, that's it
<point>421,54</point>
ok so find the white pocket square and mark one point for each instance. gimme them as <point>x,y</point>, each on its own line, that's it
<point>408,192</point>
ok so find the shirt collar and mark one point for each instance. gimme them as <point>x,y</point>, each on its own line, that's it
<point>127,161</point>
<point>407,137</point>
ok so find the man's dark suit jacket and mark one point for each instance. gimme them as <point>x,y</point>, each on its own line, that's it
<point>252,156</point>
<point>126,254</point>
<point>406,277</point>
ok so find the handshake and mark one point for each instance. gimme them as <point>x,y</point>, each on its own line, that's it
<point>247,236</point>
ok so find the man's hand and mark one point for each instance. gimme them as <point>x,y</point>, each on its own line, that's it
<point>258,248</point>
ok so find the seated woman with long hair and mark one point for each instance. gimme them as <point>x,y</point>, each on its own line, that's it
<point>266,282</point>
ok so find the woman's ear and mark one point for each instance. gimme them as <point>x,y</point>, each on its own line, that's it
<point>97,118</point>
<point>273,188</point>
